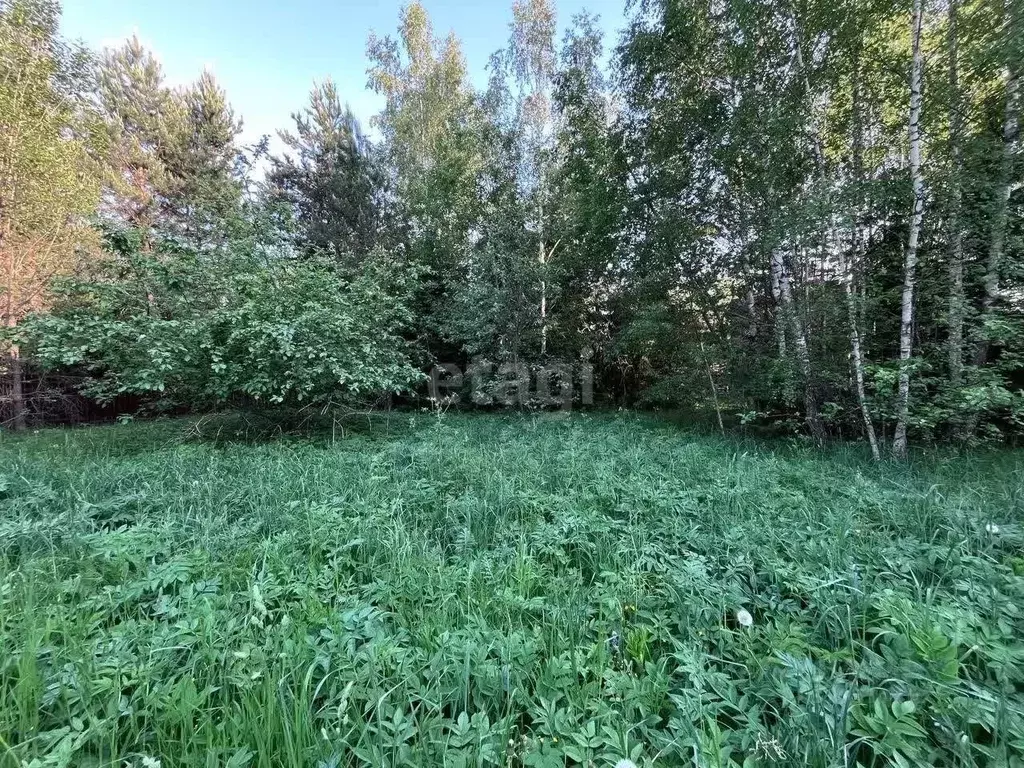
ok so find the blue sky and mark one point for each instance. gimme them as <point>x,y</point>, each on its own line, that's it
<point>267,53</point>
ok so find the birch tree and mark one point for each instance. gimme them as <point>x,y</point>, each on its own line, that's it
<point>431,129</point>
<point>781,276</point>
<point>899,445</point>
<point>532,59</point>
<point>856,254</point>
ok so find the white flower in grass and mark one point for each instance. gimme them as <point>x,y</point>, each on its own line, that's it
<point>992,528</point>
<point>150,762</point>
<point>625,764</point>
<point>768,748</point>
<point>744,619</point>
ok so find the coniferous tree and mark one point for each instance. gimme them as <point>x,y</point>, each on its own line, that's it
<point>204,190</point>
<point>143,122</point>
<point>720,220</point>
<point>329,178</point>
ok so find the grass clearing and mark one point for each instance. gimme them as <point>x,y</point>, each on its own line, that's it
<point>485,590</point>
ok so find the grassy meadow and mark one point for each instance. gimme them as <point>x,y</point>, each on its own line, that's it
<point>504,591</point>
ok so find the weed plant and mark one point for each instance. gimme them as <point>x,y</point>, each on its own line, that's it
<point>505,591</point>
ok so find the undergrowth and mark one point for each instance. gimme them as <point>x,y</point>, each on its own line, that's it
<point>504,591</point>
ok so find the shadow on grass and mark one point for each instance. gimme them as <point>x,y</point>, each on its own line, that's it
<point>326,426</point>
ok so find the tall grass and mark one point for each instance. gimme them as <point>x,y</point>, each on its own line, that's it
<point>504,591</point>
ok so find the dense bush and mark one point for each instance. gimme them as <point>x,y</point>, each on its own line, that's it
<point>205,329</point>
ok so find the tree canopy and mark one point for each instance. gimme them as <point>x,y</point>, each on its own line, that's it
<point>801,217</point>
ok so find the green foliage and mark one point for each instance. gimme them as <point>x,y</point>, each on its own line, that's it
<point>170,154</point>
<point>329,178</point>
<point>761,139</point>
<point>206,193</point>
<point>435,147</point>
<point>47,179</point>
<point>247,323</point>
<point>716,219</point>
<point>588,196</point>
<point>573,593</point>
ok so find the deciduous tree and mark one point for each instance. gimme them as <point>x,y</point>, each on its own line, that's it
<point>47,183</point>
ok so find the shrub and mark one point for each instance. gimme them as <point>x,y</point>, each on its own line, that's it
<point>202,329</point>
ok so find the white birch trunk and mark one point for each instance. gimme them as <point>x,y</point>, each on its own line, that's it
<point>802,353</point>
<point>780,321</point>
<point>543,301</point>
<point>899,444</point>
<point>856,254</point>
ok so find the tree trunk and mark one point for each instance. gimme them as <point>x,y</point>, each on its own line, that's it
<point>19,413</point>
<point>714,388</point>
<point>752,327</point>
<point>803,357</point>
<point>957,301</point>
<point>543,303</point>
<point>856,352</point>
<point>857,361</point>
<point>780,321</point>
<point>19,416</point>
<point>1000,212</point>
<point>899,443</point>
<point>542,259</point>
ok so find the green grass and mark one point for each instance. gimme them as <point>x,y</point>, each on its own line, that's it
<point>505,591</point>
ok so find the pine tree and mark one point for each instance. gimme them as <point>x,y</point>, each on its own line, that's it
<point>329,178</point>
<point>143,122</point>
<point>204,190</point>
